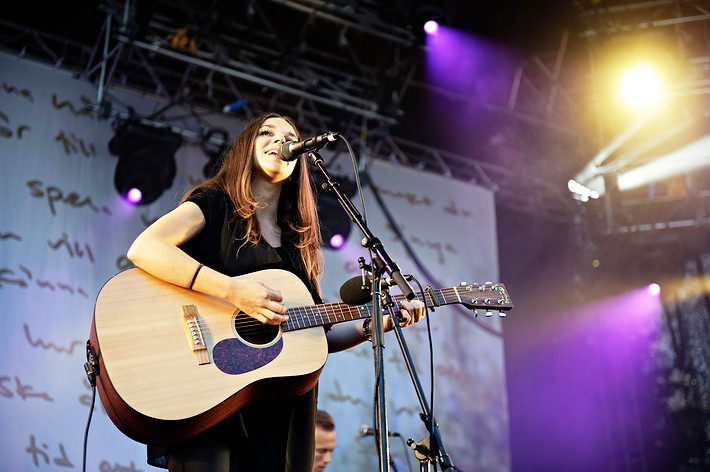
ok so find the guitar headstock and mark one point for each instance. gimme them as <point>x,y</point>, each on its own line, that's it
<point>489,296</point>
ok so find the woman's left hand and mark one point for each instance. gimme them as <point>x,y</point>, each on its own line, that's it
<point>412,312</point>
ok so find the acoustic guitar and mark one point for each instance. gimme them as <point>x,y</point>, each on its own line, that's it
<point>173,362</point>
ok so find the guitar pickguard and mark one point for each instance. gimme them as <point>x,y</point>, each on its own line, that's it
<point>232,356</point>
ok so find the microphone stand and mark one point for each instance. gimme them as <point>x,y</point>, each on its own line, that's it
<point>381,263</point>
<point>428,450</point>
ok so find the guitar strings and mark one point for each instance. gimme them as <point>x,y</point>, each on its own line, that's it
<point>300,317</point>
<point>312,316</point>
<point>318,315</point>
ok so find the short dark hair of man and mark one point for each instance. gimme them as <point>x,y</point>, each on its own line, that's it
<point>325,421</point>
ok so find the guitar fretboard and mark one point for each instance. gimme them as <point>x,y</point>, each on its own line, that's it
<point>320,315</point>
<point>473,296</point>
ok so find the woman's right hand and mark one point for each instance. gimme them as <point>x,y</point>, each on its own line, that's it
<point>157,251</point>
<point>258,301</point>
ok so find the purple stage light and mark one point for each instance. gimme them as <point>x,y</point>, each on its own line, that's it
<point>134,196</point>
<point>654,289</point>
<point>337,241</point>
<point>483,68</point>
<point>431,27</point>
<point>596,362</point>
<point>475,72</point>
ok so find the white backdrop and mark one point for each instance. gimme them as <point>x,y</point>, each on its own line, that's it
<point>64,232</point>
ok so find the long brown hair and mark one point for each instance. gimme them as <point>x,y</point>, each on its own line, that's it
<point>296,215</point>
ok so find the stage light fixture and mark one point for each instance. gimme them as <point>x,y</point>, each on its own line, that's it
<point>634,74</point>
<point>334,221</point>
<point>146,161</point>
<point>431,27</point>
<point>134,195</point>
<point>215,143</point>
<point>581,192</point>
<point>427,15</point>
<point>337,241</point>
<point>641,87</point>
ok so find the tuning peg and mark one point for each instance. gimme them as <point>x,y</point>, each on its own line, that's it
<point>489,313</point>
<point>501,314</point>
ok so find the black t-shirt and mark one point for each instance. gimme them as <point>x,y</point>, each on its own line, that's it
<point>226,231</point>
<point>276,432</point>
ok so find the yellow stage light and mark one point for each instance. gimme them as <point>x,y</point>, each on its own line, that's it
<point>641,87</point>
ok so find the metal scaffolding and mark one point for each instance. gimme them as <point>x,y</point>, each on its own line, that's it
<point>343,65</point>
<point>332,65</point>
<point>681,31</point>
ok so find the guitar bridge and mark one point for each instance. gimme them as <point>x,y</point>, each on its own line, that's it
<point>191,326</point>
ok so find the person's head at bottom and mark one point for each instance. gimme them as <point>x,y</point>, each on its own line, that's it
<point>325,441</point>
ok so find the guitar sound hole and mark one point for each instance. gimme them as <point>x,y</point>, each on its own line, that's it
<point>253,331</point>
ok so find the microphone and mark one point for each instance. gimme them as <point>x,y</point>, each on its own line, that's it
<point>354,293</point>
<point>367,431</point>
<point>290,150</point>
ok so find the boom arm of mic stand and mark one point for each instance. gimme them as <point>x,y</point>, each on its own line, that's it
<point>369,241</point>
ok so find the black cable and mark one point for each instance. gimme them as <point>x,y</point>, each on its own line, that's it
<point>431,371</point>
<point>356,173</point>
<point>88,423</point>
<point>91,367</point>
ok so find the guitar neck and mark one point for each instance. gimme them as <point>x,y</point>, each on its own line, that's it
<point>326,314</point>
<point>487,296</point>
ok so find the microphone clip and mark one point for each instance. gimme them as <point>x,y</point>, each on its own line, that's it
<point>364,277</point>
<point>421,449</point>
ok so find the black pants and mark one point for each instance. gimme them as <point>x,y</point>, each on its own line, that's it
<point>208,455</point>
<point>281,437</point>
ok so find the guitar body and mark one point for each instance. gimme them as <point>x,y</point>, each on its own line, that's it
<point>156,390</point>
<point>173,362</point>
